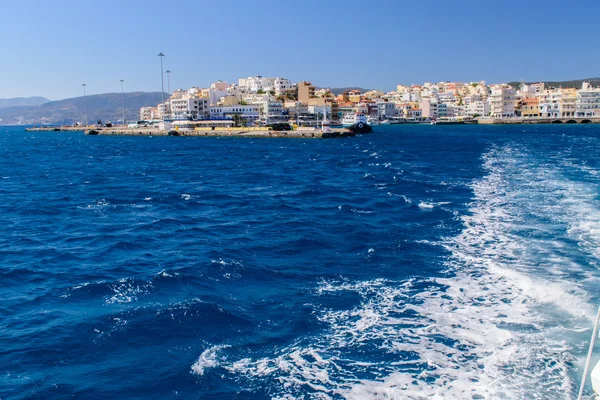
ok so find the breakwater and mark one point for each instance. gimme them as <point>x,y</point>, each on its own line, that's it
<point>220,132</point>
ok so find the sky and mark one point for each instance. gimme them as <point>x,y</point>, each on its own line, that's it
<point>50,48</point>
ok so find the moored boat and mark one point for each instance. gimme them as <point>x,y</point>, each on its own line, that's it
<point>372,120</point>
<point>357,123</point>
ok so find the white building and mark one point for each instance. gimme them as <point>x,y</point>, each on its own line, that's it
<point>283,86</point>
<point>549,103</point>
<point>148,113</point>
<point>442,110</point>
<point>256,98</point>
<point>386,109</point>
<point>477,108</point>
<point>272,110</point>
<point>588,102</point>
<point>255,83</point>
<point>214,95</point>
<point>219,85</point>
<point>502,101</point>
<point>189,108</point>
<point>412,97</point>
<point>164,110</point>
<point>295,108</point>
<point>249,112</point>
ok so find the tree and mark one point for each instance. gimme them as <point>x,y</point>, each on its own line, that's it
<point>237,120</point>
<point>260,91</point>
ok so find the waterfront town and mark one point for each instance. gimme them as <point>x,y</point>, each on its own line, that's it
<point>262,100</point>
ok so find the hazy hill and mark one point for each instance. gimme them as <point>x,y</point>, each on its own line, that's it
<point>22,102</point>
<point>575,84</point>
<point>106,107</point>
<point>337,91</point>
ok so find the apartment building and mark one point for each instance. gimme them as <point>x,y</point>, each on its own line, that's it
<point>502,101</point>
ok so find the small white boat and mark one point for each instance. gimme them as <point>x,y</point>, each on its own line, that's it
<point>373,121</point>
<point>385,122</point>
<point>351,119</point>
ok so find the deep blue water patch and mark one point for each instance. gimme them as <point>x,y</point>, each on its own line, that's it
<point>174,267</point>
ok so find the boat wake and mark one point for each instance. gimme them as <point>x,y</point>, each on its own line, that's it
<point>510,319</point>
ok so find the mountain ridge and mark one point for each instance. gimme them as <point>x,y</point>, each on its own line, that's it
<point>105,107</point>
<point>23,101</point>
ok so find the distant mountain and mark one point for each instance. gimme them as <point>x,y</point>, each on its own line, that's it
<point>575,84</point>
<point>105,107</point>
<point>23,102</point>
<point>337,91</point>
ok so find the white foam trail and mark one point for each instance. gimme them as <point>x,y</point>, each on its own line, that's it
<point>506,323</point>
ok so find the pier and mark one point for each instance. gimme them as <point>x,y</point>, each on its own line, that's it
<point>217,132</point>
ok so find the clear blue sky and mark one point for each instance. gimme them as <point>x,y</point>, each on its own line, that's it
<point>51,47</point>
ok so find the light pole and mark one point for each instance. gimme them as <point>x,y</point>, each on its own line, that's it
<point>85,105</point>
<point>123,101</point>
<point>168,72</point>
<point>162,81</point>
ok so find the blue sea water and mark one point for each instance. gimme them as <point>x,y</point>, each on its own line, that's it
<point>416,262</point>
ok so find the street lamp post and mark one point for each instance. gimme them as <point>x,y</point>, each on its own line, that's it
<point>85,105</point>
<point>168,72</point>
<point>123,101</point>
<point>162,81</point>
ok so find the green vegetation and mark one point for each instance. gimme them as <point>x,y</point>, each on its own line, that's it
<point>574,84</point>
<point>238,121</point>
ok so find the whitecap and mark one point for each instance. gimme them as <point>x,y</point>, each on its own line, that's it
<point>426,206</point>
<point>208,359</point>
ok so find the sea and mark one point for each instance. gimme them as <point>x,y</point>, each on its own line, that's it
<point>416,262</point>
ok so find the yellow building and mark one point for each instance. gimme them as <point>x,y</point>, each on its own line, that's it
<point>354,98</point>
<point>402,89</point>
<point>306,91</point>
<point>230,100</point>
<point>568,102</point>
<point>530,107</point>
<point>317,101</point>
